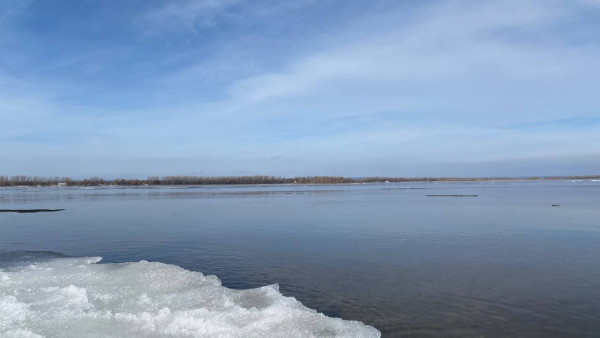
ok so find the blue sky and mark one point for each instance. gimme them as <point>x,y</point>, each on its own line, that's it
<point>306,87</point>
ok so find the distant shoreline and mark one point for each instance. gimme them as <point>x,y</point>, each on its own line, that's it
<point>34,181</point>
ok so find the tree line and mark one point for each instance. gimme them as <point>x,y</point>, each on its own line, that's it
<point>22,180</point>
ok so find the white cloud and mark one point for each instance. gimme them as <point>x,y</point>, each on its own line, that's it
<point>186,14</point>
<point>444,45</point>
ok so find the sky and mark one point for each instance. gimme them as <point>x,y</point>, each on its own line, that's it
<point>307,87</point>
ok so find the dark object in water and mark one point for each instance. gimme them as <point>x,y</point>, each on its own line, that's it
<point>556,205</point>
<point>452,195</point>
<point>24,211</point>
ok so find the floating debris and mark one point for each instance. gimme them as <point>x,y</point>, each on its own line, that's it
<point>452,195</point>
<point>24,211</point>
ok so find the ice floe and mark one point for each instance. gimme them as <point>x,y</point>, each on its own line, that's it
<point>50,295</point>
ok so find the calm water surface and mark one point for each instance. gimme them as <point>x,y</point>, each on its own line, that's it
<point>504,263</point>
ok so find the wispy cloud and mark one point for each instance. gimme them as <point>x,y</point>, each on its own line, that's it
<point>187,15</point>
<point>446,49</point>
<point>10,9</point>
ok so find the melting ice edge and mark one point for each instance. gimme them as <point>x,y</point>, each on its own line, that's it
<point>44,294</point>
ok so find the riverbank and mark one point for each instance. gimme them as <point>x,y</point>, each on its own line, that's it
<point>32,181</point>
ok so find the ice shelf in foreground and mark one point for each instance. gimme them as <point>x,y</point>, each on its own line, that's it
<point>46,295</point>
